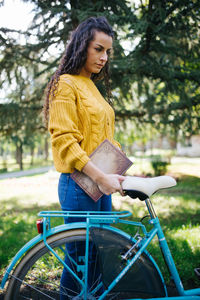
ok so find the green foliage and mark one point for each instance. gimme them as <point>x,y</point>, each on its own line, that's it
<point>159,165</point>
<point>155,66</point>
<point>20,118</point>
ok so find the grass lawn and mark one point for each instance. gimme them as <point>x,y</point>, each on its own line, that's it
<point>178,209</point>
<point>12,166</point>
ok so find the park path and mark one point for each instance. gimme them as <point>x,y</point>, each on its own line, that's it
<point>26,172</point>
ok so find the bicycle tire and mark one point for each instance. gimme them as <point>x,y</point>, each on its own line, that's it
<point>25,283</point>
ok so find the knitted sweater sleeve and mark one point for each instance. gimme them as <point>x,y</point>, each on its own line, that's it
<point>63,126</point>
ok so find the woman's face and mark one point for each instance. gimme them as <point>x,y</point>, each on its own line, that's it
<point>97,54</point>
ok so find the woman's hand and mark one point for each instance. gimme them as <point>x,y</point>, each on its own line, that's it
<point>110,183</point>
<point>107,183</point>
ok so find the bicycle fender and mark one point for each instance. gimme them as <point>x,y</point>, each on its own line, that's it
<point>35,241</point>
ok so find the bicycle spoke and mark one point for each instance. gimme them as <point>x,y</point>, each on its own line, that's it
<point>66,291</point>
<point>32,287</point>
<point>96,286</point>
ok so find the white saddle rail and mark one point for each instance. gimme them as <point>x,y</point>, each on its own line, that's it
<point>148,186</point>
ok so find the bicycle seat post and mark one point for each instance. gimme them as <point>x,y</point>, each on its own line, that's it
<point>150,208</point>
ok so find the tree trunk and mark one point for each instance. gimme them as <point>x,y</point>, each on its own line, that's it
<point>3,153</point>
<point>19,155</point>
<point>46,149</point>
<point>32,155</point>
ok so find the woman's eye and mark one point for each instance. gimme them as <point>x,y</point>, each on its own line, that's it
<point>98,49</point>
<point>108,52</point>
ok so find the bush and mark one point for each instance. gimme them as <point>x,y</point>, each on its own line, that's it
<point>159,166</point>
<point>4,170</point>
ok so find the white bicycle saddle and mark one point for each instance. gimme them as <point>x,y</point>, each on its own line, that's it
<point>143,188</point>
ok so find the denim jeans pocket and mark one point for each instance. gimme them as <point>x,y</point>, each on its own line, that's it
<point>63,187</point>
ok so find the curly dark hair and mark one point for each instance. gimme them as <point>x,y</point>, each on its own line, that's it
<point>75,56</point>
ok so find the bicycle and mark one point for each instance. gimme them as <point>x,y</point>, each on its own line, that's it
<point>124,267</point>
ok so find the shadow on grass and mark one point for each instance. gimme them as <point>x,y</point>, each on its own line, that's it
<point>187,212</point>
<point>185,183</point>
<point>176,207</point>
<point>185,260</point>
<point>18,226</point>
<point>13,207</point>
<point>173,220</point>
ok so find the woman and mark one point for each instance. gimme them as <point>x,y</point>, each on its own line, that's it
<point>80,119</point>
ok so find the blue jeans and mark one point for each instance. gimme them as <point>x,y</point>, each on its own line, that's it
<point>73,198</point>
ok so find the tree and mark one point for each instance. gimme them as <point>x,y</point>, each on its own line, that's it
<point>155,66</point>
<point>164,65</point>
<point>19,114</point>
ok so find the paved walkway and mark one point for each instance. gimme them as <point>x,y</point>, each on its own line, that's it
<point>26,172</point>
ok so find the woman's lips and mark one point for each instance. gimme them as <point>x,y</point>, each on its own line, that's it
<point>100,66</point>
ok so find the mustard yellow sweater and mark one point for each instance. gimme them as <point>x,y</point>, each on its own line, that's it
<point>80,119</point>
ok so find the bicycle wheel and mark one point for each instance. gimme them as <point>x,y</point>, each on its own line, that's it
<point>38,274</point>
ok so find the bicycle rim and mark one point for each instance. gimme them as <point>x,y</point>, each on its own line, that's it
<point>38,274</point>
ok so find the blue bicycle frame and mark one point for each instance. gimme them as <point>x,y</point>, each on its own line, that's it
<point>96,219</point>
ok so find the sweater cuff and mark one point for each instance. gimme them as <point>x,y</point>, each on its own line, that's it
<point>81,163</point>
<point>79,156</point>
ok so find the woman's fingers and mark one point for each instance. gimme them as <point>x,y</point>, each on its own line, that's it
<point>107,183</point>
<point>121,179</point>
<point>111,184</point>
